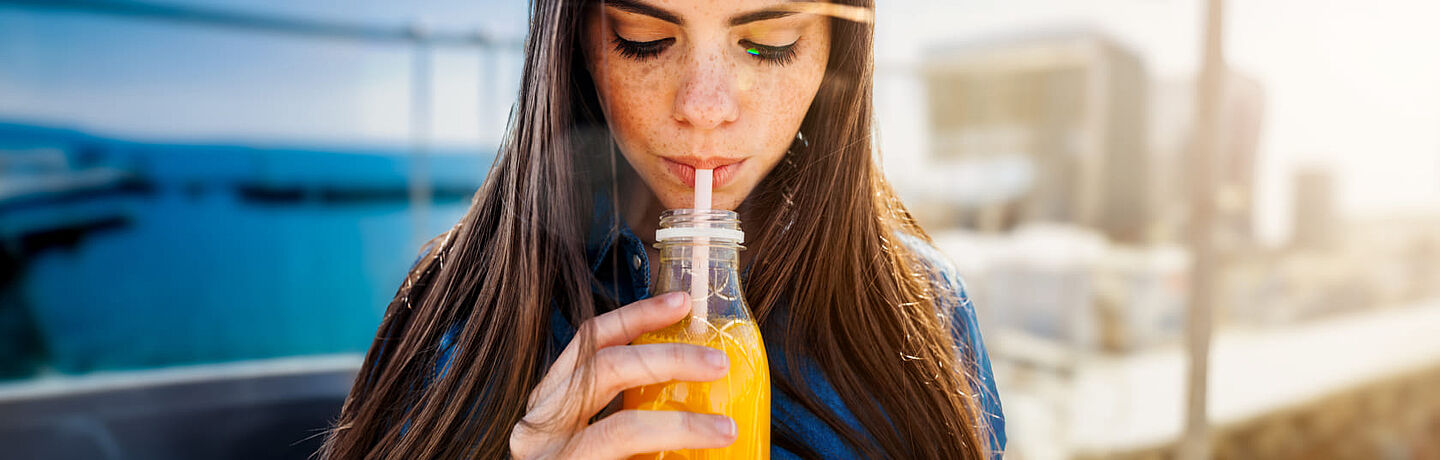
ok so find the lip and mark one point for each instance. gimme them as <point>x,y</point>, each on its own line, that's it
<point>683,168</point>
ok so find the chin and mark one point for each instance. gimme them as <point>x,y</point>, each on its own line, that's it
<point>725,202</point>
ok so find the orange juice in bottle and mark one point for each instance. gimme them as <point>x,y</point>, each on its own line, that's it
<point>698,254</point>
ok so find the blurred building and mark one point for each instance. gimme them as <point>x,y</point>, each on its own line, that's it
<point>1062,117</point>
<point>1315,222</point>
<point>1067,286</point>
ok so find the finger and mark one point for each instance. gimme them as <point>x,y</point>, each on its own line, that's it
<point>621,367</point>
<point>634,432</point>
<point>616,327</point>
<point>624,324</point>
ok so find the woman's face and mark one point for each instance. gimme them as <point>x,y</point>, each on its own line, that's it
<point>717,84</point>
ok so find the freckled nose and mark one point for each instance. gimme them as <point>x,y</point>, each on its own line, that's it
<point>707,97</point>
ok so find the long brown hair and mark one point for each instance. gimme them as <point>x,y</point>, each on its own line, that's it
<point>827,248</point>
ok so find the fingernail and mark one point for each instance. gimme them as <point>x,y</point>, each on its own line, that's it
<point>726,426</point>
<point>717,358</point>
<point>674,299</point>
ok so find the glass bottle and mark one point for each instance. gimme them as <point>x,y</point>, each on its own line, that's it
<point>719,319</point>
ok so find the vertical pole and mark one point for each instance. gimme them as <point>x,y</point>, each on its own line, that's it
<point>420,188</point>
<point>1195,444</point>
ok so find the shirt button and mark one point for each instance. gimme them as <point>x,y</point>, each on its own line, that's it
<point>635,261</point>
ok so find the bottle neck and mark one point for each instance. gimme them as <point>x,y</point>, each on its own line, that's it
<point>687,234</point>
<point>679,259</point>
<point>699,226</point>
<point>699,254</point>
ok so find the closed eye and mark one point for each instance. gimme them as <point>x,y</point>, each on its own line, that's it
<point>778,55</point>
<point>641,51</point>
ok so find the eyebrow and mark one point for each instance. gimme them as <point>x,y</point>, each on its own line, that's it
<point>761,15</point>
<point>639,7</point>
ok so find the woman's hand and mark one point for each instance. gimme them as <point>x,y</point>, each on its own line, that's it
<point>616,367</point>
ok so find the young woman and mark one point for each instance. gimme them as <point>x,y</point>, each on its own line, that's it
<point>872,341</point>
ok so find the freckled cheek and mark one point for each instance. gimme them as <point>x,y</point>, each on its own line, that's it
<point>746,79</point>
<point>637,111</point>
<point>780,107</point>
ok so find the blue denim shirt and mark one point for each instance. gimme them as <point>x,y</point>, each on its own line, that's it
<point>627,279</point>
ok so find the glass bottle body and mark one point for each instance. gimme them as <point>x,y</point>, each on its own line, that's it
<point>727,325</point>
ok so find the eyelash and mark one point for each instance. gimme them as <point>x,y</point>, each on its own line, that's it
<point>778,55</point>
<point>640,51</point>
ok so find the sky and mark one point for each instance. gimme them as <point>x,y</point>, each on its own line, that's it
<point>182,82</point>
<point>1349,85</point>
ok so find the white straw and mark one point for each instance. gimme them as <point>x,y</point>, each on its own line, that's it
<point>704,181</point>
<point>700,257</point>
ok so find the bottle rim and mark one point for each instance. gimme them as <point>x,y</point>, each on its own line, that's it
<point>717,224</point>
<point>717,215</point>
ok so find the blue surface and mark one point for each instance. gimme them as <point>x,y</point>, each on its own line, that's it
<point>204,268</point>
